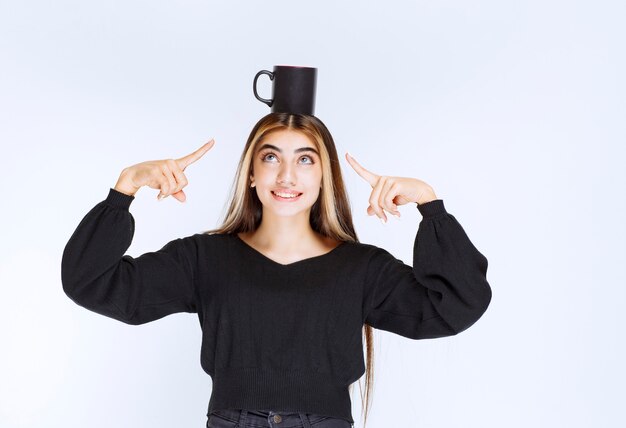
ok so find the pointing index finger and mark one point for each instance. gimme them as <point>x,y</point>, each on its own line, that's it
<point>370,177</point>
<point>185,161</point>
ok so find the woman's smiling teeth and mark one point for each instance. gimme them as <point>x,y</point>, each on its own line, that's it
<point>286,195</point>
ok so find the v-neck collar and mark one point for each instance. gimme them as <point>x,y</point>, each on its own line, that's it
<point>275,263</point>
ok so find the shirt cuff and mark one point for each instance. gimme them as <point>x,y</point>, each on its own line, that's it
<point>119,199</point>
<point>432,208</point>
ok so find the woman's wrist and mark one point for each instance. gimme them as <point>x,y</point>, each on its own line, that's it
<point>426,197</point>
<point>124,185</point>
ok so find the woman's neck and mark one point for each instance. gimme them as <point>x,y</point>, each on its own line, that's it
<point>285,234</point>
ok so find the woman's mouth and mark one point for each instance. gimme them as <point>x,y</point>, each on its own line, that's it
<point>286,197</point>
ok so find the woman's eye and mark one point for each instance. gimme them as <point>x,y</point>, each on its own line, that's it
<point>308,157</point>
<point>267,155</point>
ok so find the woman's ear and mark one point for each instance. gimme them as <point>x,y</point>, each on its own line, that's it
<point>251,180</point>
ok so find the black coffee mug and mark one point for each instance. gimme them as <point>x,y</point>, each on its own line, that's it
<point>293,90</point>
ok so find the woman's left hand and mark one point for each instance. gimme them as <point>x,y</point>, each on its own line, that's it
<point>390,192</point>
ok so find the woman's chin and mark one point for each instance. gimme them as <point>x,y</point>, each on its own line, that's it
<point>286,210</point>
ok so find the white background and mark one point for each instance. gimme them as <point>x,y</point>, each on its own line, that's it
<point>512,111</point>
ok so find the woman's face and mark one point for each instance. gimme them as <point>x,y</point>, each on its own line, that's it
<point>287,163</point>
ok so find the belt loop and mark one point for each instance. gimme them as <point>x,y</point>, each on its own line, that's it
<point>242,418</point>
<point>306,422</point>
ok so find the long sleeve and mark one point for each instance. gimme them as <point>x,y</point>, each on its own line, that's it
<point>97,275</point>
<point>443,294</point>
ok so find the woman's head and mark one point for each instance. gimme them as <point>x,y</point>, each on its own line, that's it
<point>286,173</point>
<point>268,164</point>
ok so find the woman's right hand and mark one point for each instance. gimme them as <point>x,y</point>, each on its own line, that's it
<point>166,175</point>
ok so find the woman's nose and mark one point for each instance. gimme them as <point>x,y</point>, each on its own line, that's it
<point>286,175</point>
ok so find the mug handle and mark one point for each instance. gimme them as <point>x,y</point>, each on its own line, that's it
<point>263,100</point>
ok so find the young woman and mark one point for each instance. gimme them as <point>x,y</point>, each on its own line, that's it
<point>284,290</point>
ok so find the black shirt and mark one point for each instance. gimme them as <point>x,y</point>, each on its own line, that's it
<point>279,336</point>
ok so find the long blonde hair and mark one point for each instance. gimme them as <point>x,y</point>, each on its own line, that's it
<point>330,214</point>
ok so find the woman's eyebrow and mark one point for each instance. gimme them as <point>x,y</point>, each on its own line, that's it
<point>301,149</point>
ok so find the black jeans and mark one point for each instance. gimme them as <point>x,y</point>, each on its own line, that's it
<point>272,419</point>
